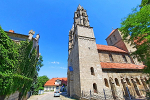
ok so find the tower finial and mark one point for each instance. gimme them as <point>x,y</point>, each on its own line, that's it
<point>81,17</point>
<point>79,6</point>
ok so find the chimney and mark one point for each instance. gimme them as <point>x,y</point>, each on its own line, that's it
<point>12,31</point>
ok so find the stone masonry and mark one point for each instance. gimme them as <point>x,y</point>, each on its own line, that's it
<point>93,67</point>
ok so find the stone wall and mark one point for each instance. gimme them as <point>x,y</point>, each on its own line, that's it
<point>134,80</point>
<point>117,57</point>
<point>74,76</point>
<point>13,96</point>
<point>88,58</point>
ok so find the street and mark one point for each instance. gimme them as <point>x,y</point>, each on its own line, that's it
<point>45,96</point>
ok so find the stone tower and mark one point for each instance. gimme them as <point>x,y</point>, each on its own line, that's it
<point>84,70</point>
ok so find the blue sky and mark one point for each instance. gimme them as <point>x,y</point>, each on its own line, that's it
<point>53,19</point>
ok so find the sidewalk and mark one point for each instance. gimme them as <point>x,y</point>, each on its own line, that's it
<point>64,96</point>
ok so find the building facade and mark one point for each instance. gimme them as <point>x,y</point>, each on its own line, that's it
<point>96,68</point>
<point>56,84</point>
<point>16,37</point>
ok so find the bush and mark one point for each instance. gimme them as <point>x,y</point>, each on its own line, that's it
<point>41,88</point>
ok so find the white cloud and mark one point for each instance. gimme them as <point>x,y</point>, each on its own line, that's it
<point>63,68</point>
<point>54,62</point>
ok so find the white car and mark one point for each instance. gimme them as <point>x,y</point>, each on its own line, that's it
<point>56,94</point>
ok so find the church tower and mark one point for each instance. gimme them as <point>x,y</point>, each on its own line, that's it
<point>84,70</point>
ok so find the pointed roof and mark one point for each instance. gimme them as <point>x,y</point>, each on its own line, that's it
<point>79,6</point>
<point>51,82</point>
<point>112,32</point>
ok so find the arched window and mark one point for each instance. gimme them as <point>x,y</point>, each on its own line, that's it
<point>92,71</point>
<point>117,82</point>
<point>138,82</point>
<point>106,82</point>
<point>77,15</point>
<point>95,87</point>
<point>128,82</point>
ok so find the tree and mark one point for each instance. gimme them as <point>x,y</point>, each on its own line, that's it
<point>34,86</point>
<point>41,80</point>
<point>144,2</point>
<point>135,29</point>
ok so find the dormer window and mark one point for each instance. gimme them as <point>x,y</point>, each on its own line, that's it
<point>57,82</point>
<point>77,15</point>
<point>111,58</point>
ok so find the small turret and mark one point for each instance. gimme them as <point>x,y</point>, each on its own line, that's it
<point>31,33</point>
<point>37,37</point>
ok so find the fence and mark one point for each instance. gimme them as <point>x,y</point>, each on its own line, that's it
<point>113,95</point>
<point>41,91</point>
<point>104,95</point>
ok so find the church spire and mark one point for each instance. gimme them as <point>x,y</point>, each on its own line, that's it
<point>80,17</point>
<point>79,6</point>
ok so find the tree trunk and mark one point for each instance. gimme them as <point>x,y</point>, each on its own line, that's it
<point>20,96</point>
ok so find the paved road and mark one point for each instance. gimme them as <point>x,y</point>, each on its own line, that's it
<point>45,96</point>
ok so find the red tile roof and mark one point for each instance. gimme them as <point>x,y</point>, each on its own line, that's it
<point>51,82</point>
<point>109,48</point>
<point>112,32</point>
<point>106,65</point>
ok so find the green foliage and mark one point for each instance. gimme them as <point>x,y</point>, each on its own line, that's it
<point>39,85</point>
<point>135,29</point>
<point>39,63</point>
<point>41,88</point>
<point>144,2</point>
<point>42,80</point>
<point>18,65</point>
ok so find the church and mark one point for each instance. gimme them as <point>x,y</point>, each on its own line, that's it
<point>102,70</point>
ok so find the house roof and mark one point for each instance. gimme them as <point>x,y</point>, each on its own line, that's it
<point>51,82</point>
<point>109,48</point>
<point>112,32</point>
<point>107,65</point>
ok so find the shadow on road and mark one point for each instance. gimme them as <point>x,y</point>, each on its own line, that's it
<point>65,95</point>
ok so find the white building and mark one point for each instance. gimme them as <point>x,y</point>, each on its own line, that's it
<point>56,84</point>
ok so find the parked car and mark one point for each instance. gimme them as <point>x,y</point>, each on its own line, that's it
<point>56,94</point>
